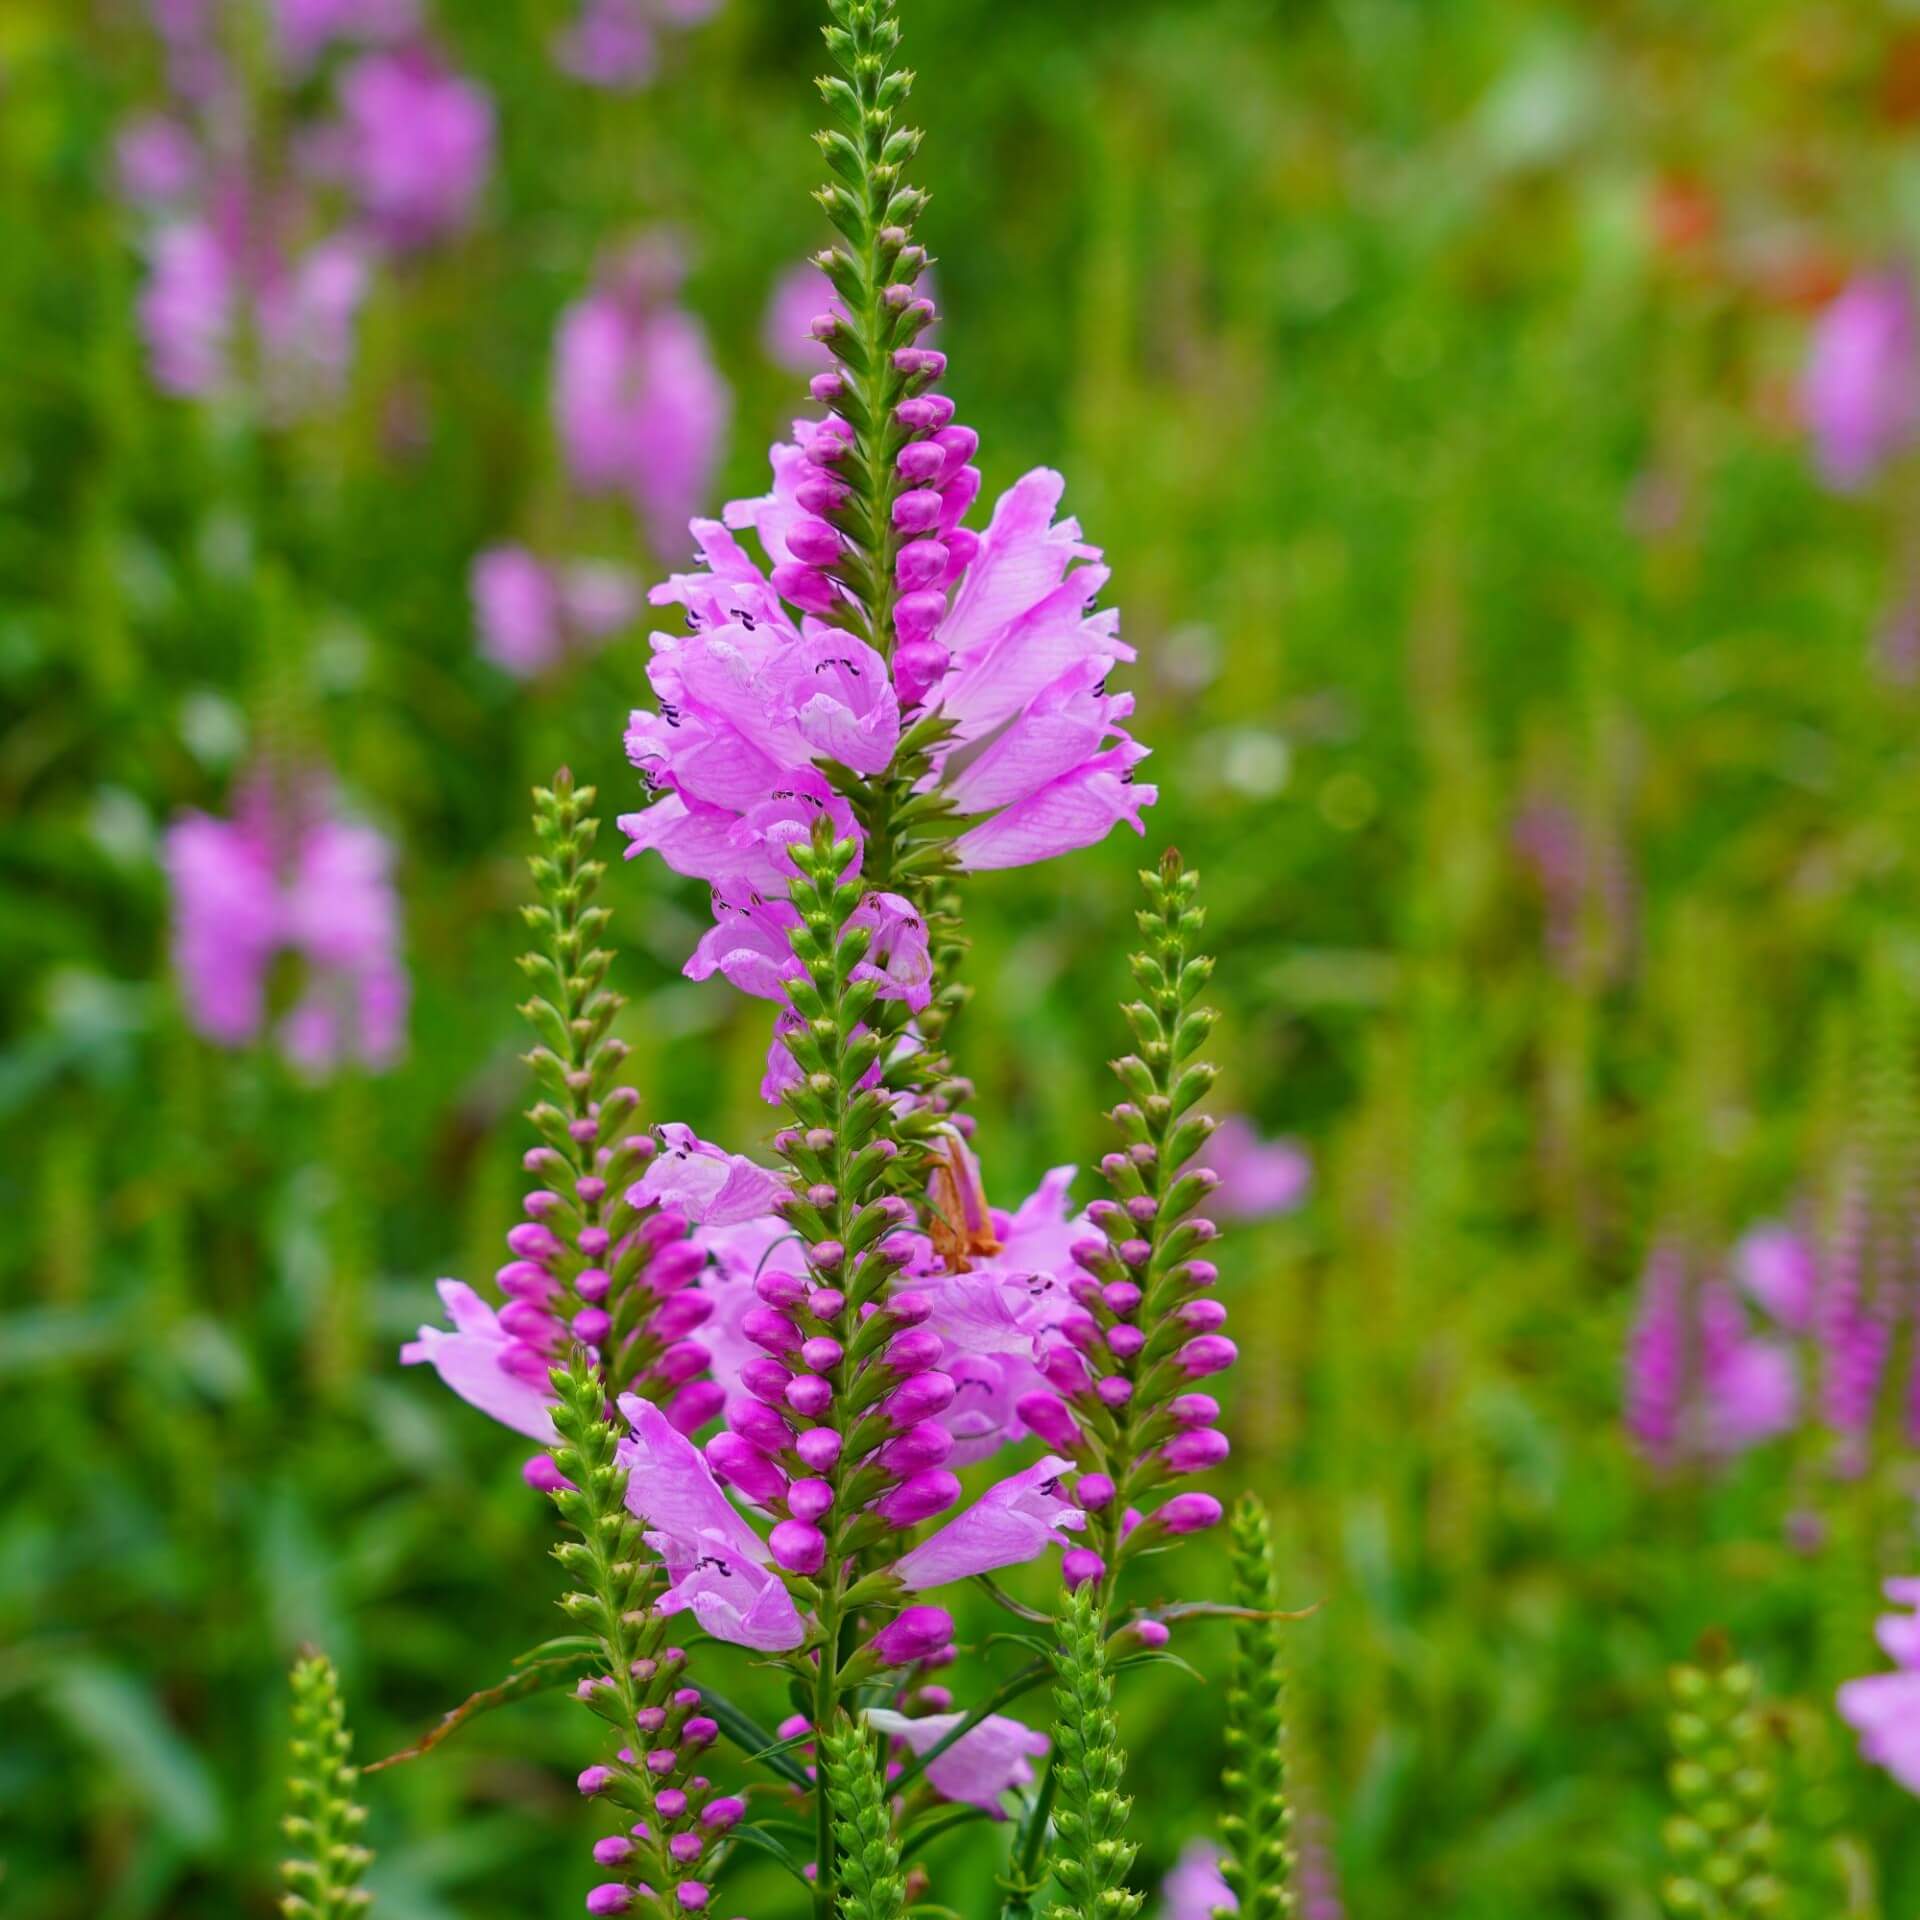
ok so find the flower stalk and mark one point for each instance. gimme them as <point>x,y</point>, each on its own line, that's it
<point>323,1876</point>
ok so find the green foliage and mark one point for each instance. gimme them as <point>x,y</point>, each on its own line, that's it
<point>871,1884</point>
<point>324,1872</point>
<point>1092,1856</point>
<point>1721,1838</point>
<point>1256,1823</point>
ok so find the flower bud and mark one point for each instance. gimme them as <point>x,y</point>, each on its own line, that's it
<point>685,1847</point>
<point>681,1362</point>
<point>758,1423</point>
<point>766,1379</point>
<point>591,1325</point>
<point>1114,1391</point>
<point>1049,1418</point>
<point>926,413</point>
<point>819,1448</point>
<point>814,542</point>
<point>746,1467</point>
<point>679,1316</point>
<point>1124,1341</point>
<point>920,1447</point>
<point>1190,1513</point>
<point>1065,1372</point>
<point>806,587</point>
<point>809,1499</point>
<point>1208,1353</point>
<point>1121,1297</point>
<point>1194,1409</point>
<point>827,1303</point>
<point>919,1498</point>
<point>913,1350</point>
<point>595,1780</point>
<point>691,1895</point>
<point>918,1398</point>
<point>543,1476</point>
<point>799,1546</point>
<point>1196,1451</point>
<point>592,1284</point>
<point>917,614</point>
<point>1201,1316</point>
<point>809,1395</point>
<point>1094,1491</point>
<point>921,563</point>
<point>700,1731</point>
<point>784,1291</point>
<point>918,511</point>
<point>695,1404</point>
<point>611,1898</point>
<point>612,1850</point>
<point>724,1812</point>
<point>910,1309</point>
<point>917,1634</point>
<point>1079,1565</point>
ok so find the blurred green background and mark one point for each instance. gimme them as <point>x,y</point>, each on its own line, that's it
<point>1426,369</point>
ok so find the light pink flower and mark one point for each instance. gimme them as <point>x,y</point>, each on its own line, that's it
<point>717,1565</point>
<point>157,161</point>
<point>418,145</point>
<point>799,296</point>
<point>1259,1179</point>
<point>1861,389</point>
<point>641,408</point>
<point>712,1187</point>
<point>275,880</point>
<point>1194,1889</point>
<point>615,43</point>
<point>532,616</point>
<point>306,28</point>
<point>1781,1273</point>
<point>981,1767</point>
<point>1884,1708</point>
<point>470,1361</point>
<point>1008,1525</point>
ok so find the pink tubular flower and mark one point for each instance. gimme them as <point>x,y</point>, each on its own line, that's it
<point>981,1766</point>
<point>717,1565</point>
<point>712,1187</point>
<point>1194,1889</point>
<point>1861,389</point>
<point>1780,1272</point>
<point>486,1365</point>
<point>1259,1179</point>
<point>642,411</point>
<point>1008,1525</point>
<point>532,616</point>
<point>277,880</point>
<point>417,145</point>
<point>1884,1708</point>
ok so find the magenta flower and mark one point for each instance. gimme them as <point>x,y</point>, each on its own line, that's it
<point>1259,1179</point>
<point>1884,1708</point>
<point>1194,1889</point>
<point>786,334</point>
<point>1007,1526</point>
<point>157,162</point>
<point>532,616</point>
<point>642,410</point>
<point>417,145</point>
<point>717,1565</point>
<point>981,1767</point>
<point>187,308</point>
<point>488,1367</point>
<point>1861,389</point>
<point>274,881</point>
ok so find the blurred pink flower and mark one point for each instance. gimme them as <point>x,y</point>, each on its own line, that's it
<point>981,1766</point>
<point>1194,1889</point>
<point>417,144</point>
<point>282,879</point>
<point>1259,1179</point>
<point>531,616</point>
<point>641,408</point>
<point>306,28</point>
<point>615,43</point>
<point>1884,1708</point>
<point>157,161</point>
<point>1781,1273</point>
<point>1861,389</point>
<point>799,294</point>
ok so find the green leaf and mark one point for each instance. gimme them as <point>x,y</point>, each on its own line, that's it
<point>123,1723</point>
<point>761,1839</point>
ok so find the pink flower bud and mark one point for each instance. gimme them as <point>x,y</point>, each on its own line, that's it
<point>612,1850</point>
<point>591,1325</point>
<point>680,1362</point>
<point>1080,1329</point>
<point>1208,1353</point>
<point>963,547</point>
<point>754,1421</point>
<point>921,563</point>
<point>919,1498</point>
<point>1049,1418</point>
<point>917,615</point>
<point>535,1325</point>
<point>725,1812</point>
<point>920,1447</point>
<point>922,460</point>
<point>1122,1297</point>
<point>743,1465</point>
<point>1079,1565</point>
<point>1065,1372</point>
<point>822,1353</point>
<point>691,1895</point>
<point>670,1802</point>
<point>926,414</point>
<point>827,388</point>
<point>1094,1491</point>
<point>809,1395</point>
<point>814,542</point>
<point>685,1847</point>
<point>1201,1316</point>
<point>913,1350</point>
<point>918,665</point>
<point>675,1266</point>
<point>1196,1451</point>
<point>700,1731</point>
<point>680,1315</point>
<point>823,495</point>
<point>593,1242</point>
<point>915,1635</point>
<point>695,1404</point>
<point>543,1476</point>
<point>1151,1633</point>
<point>806,587</point>
<point>592,1283</point>
<point>662,1760</point>
<point>918,1398</point>
<point>1194,1409</point>
<point>1136,1253</point>
<point>1114,1391</point>
<point>611,1898</point>
<point>1125,1341</point>
<point>770,1330</point>
<point>595,1780</point>
<point>920,362</point>
<point>782,1290</point>
<point>799,1546</point>
<point>650,1719</point>
<point>1196,1273</point>
<point>793,1726</point>
<point>766,1379</point>
<point>1190,1513</point>
<point>819,1448</point>
<point>958,444</point>
<point>827,1303</point>
<point>809,1499</point>
<point>909,1309</point>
